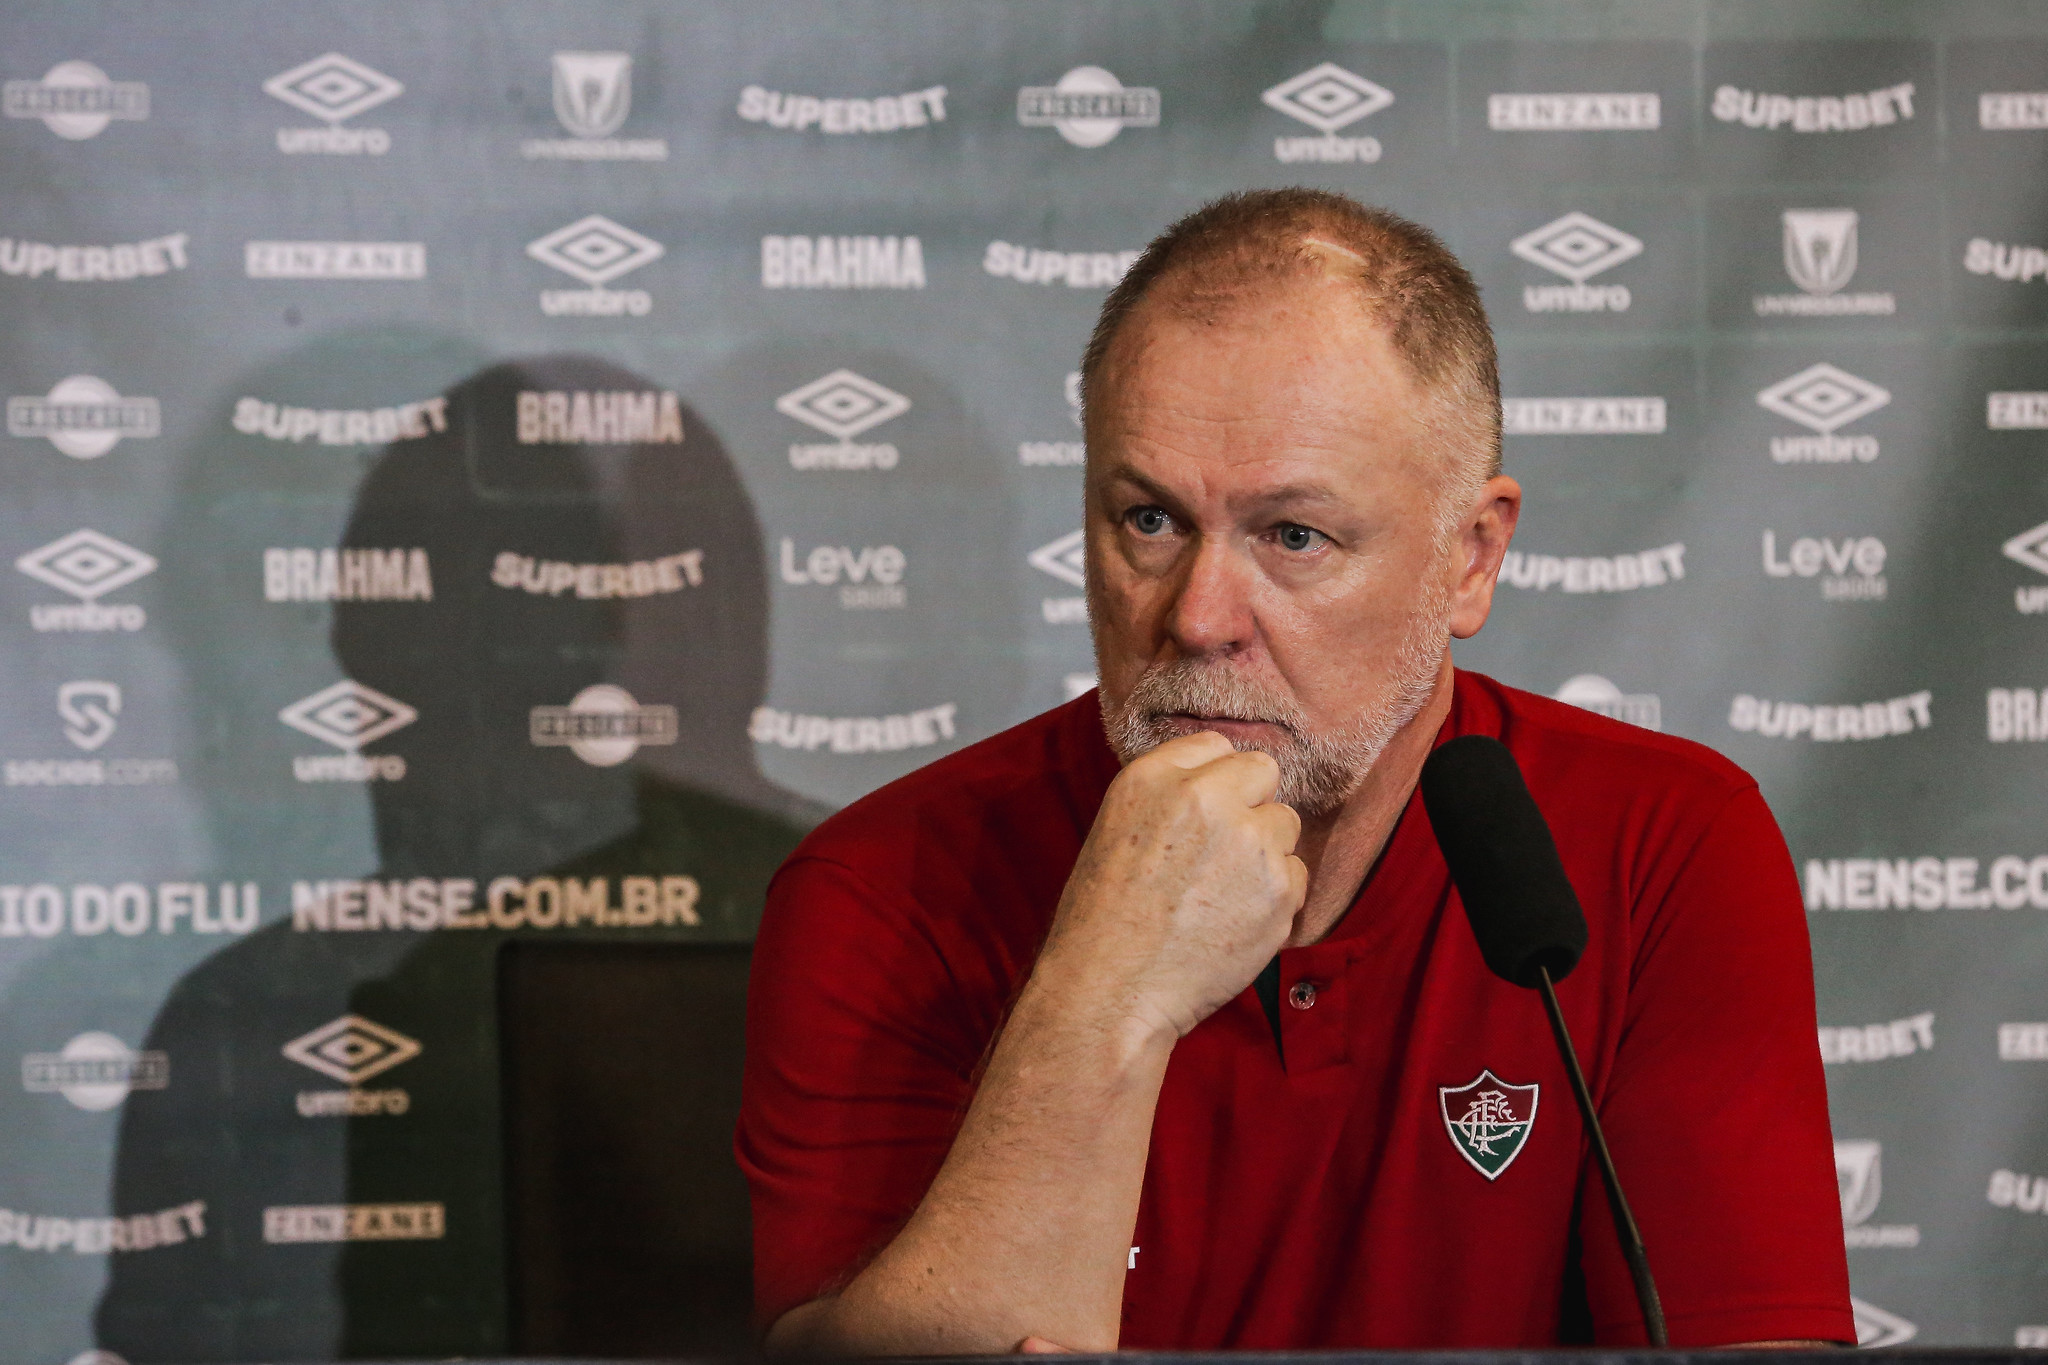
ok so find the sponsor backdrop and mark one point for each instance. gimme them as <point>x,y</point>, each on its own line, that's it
<point>487,472</point>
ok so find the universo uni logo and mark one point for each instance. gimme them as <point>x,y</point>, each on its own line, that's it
<point>84,417</point>
<point>1859,1176</point>
<point>1327,98</point>
<point>333,88</point>
<point>1821,398</point>
<point>87,565</point>
<point>843,404</point>
<point>602,725</point>
<point>348,715</point>
<point>593,94</point>
<point>1820,257</point>
<point>1088,106</point>
<point>596,251</point>
<point>1577,246</point>
<point>75,100</point>
<point>95,1071</point>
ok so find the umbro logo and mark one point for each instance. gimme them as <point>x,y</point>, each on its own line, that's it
<point>1065,559</point>
<point>1327,97</point>
<point>1577,246</point>
<point>86,565</point>
<point>1820,257</point>
<point>843,404</point>
<point>333,88</point>
<point>352,1049</point>
<point>1822,398</point>
<point>596,251</point>
<point>348,715</point>
<point>2030,548</point>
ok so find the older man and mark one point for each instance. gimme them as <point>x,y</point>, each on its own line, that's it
<point>1154,1021</point>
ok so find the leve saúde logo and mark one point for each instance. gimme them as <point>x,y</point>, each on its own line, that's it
<point>1489,1120</point>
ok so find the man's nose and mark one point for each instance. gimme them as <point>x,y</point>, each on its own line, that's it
<point>1212,610</point>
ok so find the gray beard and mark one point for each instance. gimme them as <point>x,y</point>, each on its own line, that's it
<point>1318,771</point>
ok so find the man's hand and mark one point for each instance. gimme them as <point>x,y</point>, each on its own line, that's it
<point>1186,887</point>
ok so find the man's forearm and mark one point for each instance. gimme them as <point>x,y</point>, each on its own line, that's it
<point>1026,1229</point>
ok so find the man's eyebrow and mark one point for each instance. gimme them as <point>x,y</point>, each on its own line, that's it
<point>1295,494</point>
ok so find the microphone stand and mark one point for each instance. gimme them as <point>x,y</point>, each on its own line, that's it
<point>1624,1222</point>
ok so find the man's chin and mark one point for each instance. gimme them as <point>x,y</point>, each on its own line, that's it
<point>1243,734</point>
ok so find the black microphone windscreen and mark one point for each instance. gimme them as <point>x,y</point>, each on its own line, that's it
<point>1504,862</point>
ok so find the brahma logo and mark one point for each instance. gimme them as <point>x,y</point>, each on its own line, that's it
<point>873,573</point>
<point>1632,112</point>
<point>1065,559</point>
<point>1815,113</point>
<point>87,565</point>
<point>354,1223</point>
<point>1822,398</point>
<point>1591,692</point>
<point>842,404</point>
<point>1853,565</point>
<point>83,417</point>
<point>1088,107</point>
<point>304,574</point>
<point>1327,98</point>
<point>75,100</point>
<point>1826,722</point>
<point>585,417</point>
<point>95,1071</point>
<point>1820,257</point>
<point>842,263</point>
<point>2030,548</point>
<point>334,260</point>
<point>348,715</point>
<point>333,88</point>
<point>1877,1042</point>
<point>1582,416</point>
<point>602,725</point>
<point>596,251</point>
<point>1859,1176</point>
<point>352,1050</point>
<point>2016,714</point>
<point>122,261</point>
<point>593,95</point>
<point>1577,246</point>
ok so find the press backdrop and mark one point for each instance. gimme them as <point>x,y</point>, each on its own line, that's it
<point>485,470</point>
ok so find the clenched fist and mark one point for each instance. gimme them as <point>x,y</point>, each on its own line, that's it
<point>1186,886</point>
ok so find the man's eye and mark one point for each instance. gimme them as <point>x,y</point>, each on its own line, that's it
<point>1149,521</point>
<point>1298,538</point>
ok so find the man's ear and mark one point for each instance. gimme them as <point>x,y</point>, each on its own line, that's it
<point>1483,536</point>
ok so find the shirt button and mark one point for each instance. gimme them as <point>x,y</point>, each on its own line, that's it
<point>1302,996</point>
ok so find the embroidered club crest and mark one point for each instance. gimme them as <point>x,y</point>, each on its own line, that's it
<point>1488,1120</point>
<point>593,91</point>
<point>1820,248</point>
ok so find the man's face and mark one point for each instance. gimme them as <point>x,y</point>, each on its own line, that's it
<point>1264,554</point>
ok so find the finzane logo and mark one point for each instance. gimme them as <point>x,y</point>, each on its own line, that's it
<point>1075,269</point>
<point>1926,883</point>
<point>1058,454</point>
<point>596,251</point>
<point>1065,559</point>
<point>304,574</point>
<point>1823,398</point>
<point>843,404</point>
<point>291,1223</point>
<point>75,100</point>
<point>1576,574</point>
<point>333,88</point>
<point>1826,723</point>
<point>2011,1190</point>
<point>334,260</point>
<point>39,911</point>
<point>2030,548</point>
<point>87,565</point>
<point>1850,570</point>
<point>1088,106</point>
<point>1639,111</point>
<point>873,573</point>
<point>122,261</point>
<point>1493,1120</point>
<point>340,426</point>
<point>1820,257</point>
<point>2007,111</point>
<point>348,715</point>
<point>2016,714</point>
<point>429,905</point>
<point>84,417</point>
<point>1327,98</point>
<point>598,582</point>
<point>89,709</point>
<point>593,94</point>
<point>95,1071</point>
<point>1591,692</point>
<point>1859,1173</point>
<point>602,725</point>
<point>842,263</point>
<point>1877,1042</point>
<point>1643,416</point>
<point>594,417</point>
<point>1815,113</point>
<point>2023,1042</point>
<point>882,114</point>
<point>352,1050</point>
<point>1577,246</point>
<point>853,734</point>
<point>2016,411</point>
<point>98,1236</point>
<point>1982,256</point>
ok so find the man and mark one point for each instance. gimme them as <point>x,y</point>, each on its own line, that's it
<point>1017,1073</point>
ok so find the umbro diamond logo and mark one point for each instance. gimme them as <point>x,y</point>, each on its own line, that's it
<point>595,250</point>
<point>352,1049</point>
<point>333,87</point>
<point>1823,398</point>
<point>1327,97</point>
<point>2030,548</point>
<point>1065,559</point>
<point>348,715</point>
<point>1577,246</point>
<point>86,564</point>
<point>842,404</point>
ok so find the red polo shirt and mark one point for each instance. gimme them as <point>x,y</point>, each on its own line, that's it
<point>1408,1169</point>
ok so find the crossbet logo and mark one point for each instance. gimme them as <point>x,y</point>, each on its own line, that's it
<point>1643,416</point>
<point>596,251</point>
<point>1822,398</point>
<point>1859,1174</point>
<point>598,417</point>
<point>1594,573</point>
<point>289,1223</point>
<point>1877,1042</point>
<point>303,574</point>
<point>843,404</point>
<point>597,582</point>
<point>853,734</point>
<point>1877,1328</point>
<point>1065,559</point>
<point>1982,256</point>
<point>842,263</point>
<point>1591,692</point>
<point>2023,1042</point>
<point>348,715</point>
<point>1815,113</point>
<point>1088,107</point>
<point>334,260</point>
<point>43,910</point>
<point>95,1071</point>
<point>352,1050</point>
<point>333,89</point>
<point>1632,112</point>
<point>602,725</point>
<point>1058,454</point>
<point>75,100</point>
<point>1577,246</point>
<point>2030,548</point>
<point>1827,722</point>
<point>1327,98</point>
<point>1926,883</point>
<point>593,95</point>
<point>873,574</point>
<point>1850,569</point>
<point>882,114</point>
<point>88,710</point>
<point>122,261</point>
<point>1075,269</point>
<point>87,565</point>
<point>2016,411</point>
<point>2011,1190</point>
<point>2016,714</point>
<point>1820,257</point>
<point>340,426</point>
<point>2009,111</point>
<point>83,417</point>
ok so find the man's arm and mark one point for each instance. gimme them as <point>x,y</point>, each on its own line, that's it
<point>1186,886</point>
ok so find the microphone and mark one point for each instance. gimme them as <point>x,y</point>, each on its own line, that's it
<point>1530,928</point>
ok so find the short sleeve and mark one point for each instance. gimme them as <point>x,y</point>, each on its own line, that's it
<point>859,1066</point>
<point>1716,1109</point>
